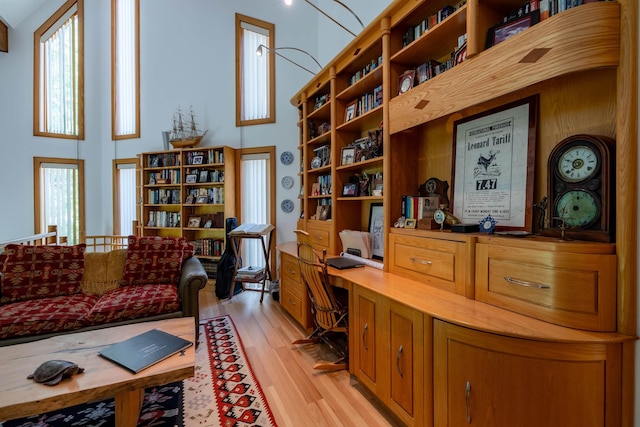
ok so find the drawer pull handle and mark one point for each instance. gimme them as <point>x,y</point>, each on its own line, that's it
<point>467,398</point>
<point>420,261</point>
<point>398,361</point>
<point>364,333</point>
<point>291,271</point>
<point>526,284</point>
<point>292,302</point>
<point>318,237</point>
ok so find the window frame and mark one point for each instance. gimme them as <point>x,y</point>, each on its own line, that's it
<point>53,19</point>
<point>117,230</point>
<point>114,83</point>
<point>270,28</point>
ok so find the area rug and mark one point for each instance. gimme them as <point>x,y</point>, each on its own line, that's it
<point>223,392</point>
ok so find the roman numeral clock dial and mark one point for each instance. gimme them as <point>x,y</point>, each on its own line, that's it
<point>581,188</point>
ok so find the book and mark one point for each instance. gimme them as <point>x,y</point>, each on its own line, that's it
<point>139,352</point>
<point>253,229</point>
<point>250,271</point>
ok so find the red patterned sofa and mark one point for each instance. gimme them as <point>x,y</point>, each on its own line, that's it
<point>50,290</point>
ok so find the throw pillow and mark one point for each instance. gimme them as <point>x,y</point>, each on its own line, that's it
<point>31,272</point>
<point>153,260</point>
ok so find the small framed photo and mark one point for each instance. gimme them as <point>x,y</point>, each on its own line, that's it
<point>191,178</point>
<point>405,81</point>
<point>190,199</point>
<point>202,199</point>
<point>208,224</point>
<point>505,30</point>
<point>350,189</point>
<point>460,55</point>
<point>348,155</point>
<point>194,221</point>
<point>204,176</point>
<point>315,189</point>
<point>350,111</point>
<point>197,160</point>
<point>410,223</point>
<point>154,161</point>
<point>421,72</point>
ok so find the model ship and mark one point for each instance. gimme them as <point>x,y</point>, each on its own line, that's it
<point>185,132</point>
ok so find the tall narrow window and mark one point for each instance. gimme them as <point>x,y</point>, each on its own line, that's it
<point>125,71</point>
<point>59,196</point>
<point>124,196</point>
<point>258,194</point>
<point>255,76</point>
<point>59,74</point>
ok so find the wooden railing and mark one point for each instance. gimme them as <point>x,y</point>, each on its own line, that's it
<point>49,238</point>
<point>105,243</point>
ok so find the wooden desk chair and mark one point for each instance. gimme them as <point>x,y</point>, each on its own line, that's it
<point>330,316</point>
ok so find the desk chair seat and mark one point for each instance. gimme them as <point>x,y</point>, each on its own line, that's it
<point>329,314</point>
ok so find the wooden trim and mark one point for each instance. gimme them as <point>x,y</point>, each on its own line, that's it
<point>36,69</point>
<point>114,29</point>
<point>271,29</point>
<point>4,37</point>
<point>115,186</point>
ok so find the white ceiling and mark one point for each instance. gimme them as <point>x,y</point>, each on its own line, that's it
<point>12,12</point>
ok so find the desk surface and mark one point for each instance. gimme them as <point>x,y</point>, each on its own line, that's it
<point>101,379</point>
<point>458,309</point>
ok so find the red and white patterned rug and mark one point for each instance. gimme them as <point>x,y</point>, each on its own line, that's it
<point>223,392</point>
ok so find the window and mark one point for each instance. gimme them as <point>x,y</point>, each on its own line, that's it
<point>124,196</point>
<point>257,169</point>
<point>59,74</point>
<point>59,196</point>
<point>125,70</point>
<point>255,76</point>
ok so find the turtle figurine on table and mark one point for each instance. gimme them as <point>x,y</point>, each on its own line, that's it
<point>52,372</point>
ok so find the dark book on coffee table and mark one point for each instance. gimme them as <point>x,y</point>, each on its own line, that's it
<point>140,352</point>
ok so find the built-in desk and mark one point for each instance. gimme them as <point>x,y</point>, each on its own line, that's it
<point>466,357</point>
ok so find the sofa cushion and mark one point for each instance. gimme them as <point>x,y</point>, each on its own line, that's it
<point>45,315</point>
<point>31,272</point>
<point>153,260</point>
<point>134,302</point>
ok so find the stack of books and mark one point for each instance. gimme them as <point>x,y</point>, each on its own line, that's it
<point>250,272</point>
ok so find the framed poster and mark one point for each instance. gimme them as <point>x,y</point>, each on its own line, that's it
<point>376,230</point>
<point>493,156</point>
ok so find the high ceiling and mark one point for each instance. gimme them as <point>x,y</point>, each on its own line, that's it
<point>12,12</point>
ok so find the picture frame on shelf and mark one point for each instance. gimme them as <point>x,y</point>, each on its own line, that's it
<point>194,221</point>
<point>208,224</point>
<point>350,189</point>
<point>191,178</point>
<point>460,54</point>
<point>202,200</point>
<point>315,189</point>
<point>376,230</point>
<point>190,199</point>
<point>204,176</point>
<point>348,155</point>
<point>197,160</point>
<point>410,223</point>
<point>350,111</point>
<point>493,165</point>
<point>405,81</point>
<point>505,30</point>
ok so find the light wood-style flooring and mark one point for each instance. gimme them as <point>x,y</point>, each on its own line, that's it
<point>297,394</point>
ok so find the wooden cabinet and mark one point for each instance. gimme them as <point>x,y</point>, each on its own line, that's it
<point>294,297</point>
<point>364,318</point>
<point>490,380</point>
<point>189,193</point>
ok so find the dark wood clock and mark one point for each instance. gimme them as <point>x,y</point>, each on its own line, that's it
<point>582,189</point>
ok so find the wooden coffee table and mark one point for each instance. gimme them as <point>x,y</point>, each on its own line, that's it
<point>20,397</point>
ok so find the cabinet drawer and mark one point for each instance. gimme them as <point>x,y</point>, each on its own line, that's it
<point>290,269</point>
<point>293,304</point>
<point>439,262</point>
<point>319,236</point>
<point>577,290</point>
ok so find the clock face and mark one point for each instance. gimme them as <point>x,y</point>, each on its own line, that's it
<point>578,208</point>
<point>578,163</point>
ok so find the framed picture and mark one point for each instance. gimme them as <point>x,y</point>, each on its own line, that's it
<point>204,176</point>
<point>350,189</point>
<point>197,160</point>
<point>190,199</point>
<point>505,30</point>
<point>194,221</point>
<point>350,111</point>
<point>410,223</point>
<point>376,230</point>
<point>202,199</point>
<point>208,224</point>
<point>191,178</point>
<point>493,156</point>
<point>460,55</point>
<point>348,155</point>
<point>405,81</point>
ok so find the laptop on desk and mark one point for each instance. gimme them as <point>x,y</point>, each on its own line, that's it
<point>342,263</point>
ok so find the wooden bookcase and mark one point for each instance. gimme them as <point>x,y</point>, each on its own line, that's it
<point>189,192</point>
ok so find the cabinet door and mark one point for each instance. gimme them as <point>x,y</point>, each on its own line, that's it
<point>405,363</point>
<point>293,293</point>
<point>363,318</point>
<point>489,380</point>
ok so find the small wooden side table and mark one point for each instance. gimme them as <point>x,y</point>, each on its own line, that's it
<point>264,232</point>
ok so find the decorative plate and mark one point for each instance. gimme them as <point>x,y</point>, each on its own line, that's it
<point>287,182</point>
<point>286,158</point>
<point>286,206</point>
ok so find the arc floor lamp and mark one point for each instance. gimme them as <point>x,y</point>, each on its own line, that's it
<point>289,2</point>
<point>262,48</point>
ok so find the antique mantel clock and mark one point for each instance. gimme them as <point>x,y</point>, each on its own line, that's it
<point>582,189</point>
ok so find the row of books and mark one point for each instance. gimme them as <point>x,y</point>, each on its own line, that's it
<point>428,23</point>
<point>365,103</point>
<point>208,247</point>
<point>163,196</point>
<point>163,219</point>
<point>369,67</point>
<point>419,207</point>
<point>205,157</point>
<point>165,176</point>
<point>163,160</point>
<point>552,7</point>
<point>205,195</point>
<point>323,187</point>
